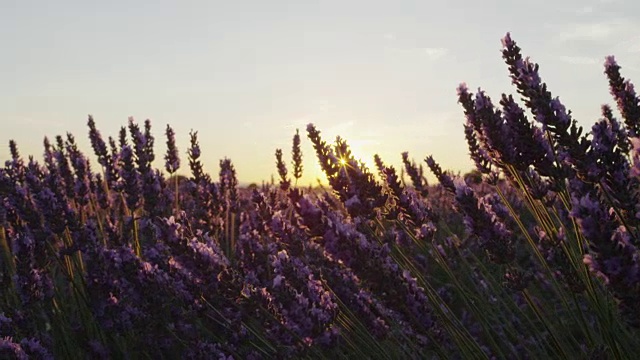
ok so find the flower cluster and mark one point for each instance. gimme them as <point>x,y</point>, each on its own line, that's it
<point>534,254</point>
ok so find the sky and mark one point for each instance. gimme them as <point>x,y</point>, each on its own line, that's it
<point>247,74</point>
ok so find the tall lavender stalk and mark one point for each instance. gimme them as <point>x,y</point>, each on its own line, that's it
<point>625,96</point>
<point>296,155</point>
<point>282,171</point>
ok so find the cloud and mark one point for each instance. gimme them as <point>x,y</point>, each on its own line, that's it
<point>315,108</point>
<point>591,32</point>
<point>411,47</point>
<point>435,53</point>
<point>595,7</point>
<point>585,10</point>
<point>341,128</point>
<point>423,126</point>
<point>298,123</point>
<point>630,45</point>
<point>40,121</point>
<point>613,31</point>
<point>595,40</point>
<point>432,53</point>
<point>580,60</point>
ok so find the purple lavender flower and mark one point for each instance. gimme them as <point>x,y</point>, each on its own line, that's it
<point>625,95</point>
<point>416,175</point>
<point>112,173</point>
<point>149,141</point>
<point>34,349</point>
<point>445,179</point>
<point>102,194</point>
<point>142,146</point>
<point>229,184</point>
<point>610,168</point>
<point>12,350</point>
<point>550,247</point>
<point>83,174</point>
<point>15,167</point>
<point>495,137</point>
<point>97,143</point>
<point>478,154</point>
<point>64,169</point>
<point>351,180</point>
<point>194,158</point>
<point>31,280</point>
<point>296,155</point>
<point>408,204</point>
<point>130,177</point>
<point>635,156</point>
<point>547,110</point>
<point>530,146</point>
<point>482,223</point>
<point>612,256</point>
<point>172,159</point>
<point>282,171</point>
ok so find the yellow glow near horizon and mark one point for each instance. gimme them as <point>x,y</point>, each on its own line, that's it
<point>362,146</point>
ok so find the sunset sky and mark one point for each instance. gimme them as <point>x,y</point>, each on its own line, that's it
<point>246,74</point>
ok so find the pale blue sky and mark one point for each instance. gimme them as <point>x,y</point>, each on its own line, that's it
<point>245,74</point>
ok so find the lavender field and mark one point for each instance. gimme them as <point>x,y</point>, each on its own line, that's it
<point>533,255</point>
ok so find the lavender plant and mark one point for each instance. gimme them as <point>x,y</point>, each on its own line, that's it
<point>533,255</point>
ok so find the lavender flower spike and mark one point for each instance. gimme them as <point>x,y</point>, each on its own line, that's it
<point>625,95</point>
<point>172,158</point>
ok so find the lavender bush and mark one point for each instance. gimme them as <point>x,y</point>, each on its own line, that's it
<point>532,255</point>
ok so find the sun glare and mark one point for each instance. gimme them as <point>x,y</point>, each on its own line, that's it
<point>343,162</point>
